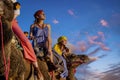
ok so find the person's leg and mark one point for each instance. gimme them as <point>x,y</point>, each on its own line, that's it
<point>62,78</point>
<point>28,50</point>
<point>37,71</point>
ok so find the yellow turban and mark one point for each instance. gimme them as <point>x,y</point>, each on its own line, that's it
<point>62,38</point>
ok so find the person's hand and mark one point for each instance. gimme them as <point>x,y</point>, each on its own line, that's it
<point>51,55</point>
<point>31,37</point>
<point>50,51</point>
<point>67,50</point>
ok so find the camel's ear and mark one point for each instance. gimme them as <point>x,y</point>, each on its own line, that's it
<point>9,0</point>
<point>93,58</point>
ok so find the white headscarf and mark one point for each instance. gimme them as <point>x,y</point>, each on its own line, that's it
<point>16,12</point>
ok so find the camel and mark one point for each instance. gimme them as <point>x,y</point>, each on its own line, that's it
<point>73,61</point>
<point>8,51</point>
<point>21,69</point>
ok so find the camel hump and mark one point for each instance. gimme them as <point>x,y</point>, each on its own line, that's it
<point>15,41</point>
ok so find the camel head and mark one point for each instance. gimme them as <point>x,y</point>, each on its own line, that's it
<point>1,7</point>
<point>73,60</point>
<point>6,10</point>
<point>6,17</point>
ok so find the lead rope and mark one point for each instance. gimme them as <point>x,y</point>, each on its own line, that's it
<point>3,53</point>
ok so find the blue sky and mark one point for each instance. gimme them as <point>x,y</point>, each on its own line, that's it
<point>92,27</point>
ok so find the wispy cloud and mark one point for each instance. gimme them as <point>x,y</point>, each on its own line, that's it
<point>101,34</point>
<point>104,47</point>
<point>113,73</point>
<point>104,23</point>
<point>71,12</point>
<point>72,47</point>
<point>82,46</point>
<point>85,73</point>
<point>92,39</point>
<point>97,41</point>
<point>102,56</point>
<point>115,19</point>
<point>55,21</point>
<point>93,52</point>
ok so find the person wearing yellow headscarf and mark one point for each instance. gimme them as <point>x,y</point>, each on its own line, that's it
<point>60,47</point>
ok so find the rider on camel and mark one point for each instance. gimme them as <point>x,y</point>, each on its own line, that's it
<point>27,47</point>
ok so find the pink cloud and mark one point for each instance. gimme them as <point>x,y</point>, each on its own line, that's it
<point>104,47</point>
<point>72,47</point>
<point>71,12</point>
<point>101,35</point>
<point>55,21</point>
<point>104,23</point>
<point>82,46</point>
<point>93,40</point>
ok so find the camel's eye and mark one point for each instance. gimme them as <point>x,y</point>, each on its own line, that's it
<point>1,7</point>
<point>82,58</point>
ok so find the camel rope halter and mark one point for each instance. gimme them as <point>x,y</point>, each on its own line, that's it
<point>7,65</point>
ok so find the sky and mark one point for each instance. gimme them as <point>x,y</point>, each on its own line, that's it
<point>92,28</point>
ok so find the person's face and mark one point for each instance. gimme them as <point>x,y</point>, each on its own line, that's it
<point>41,16</point>
<point>64,42</point>
<point>26,34</point>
